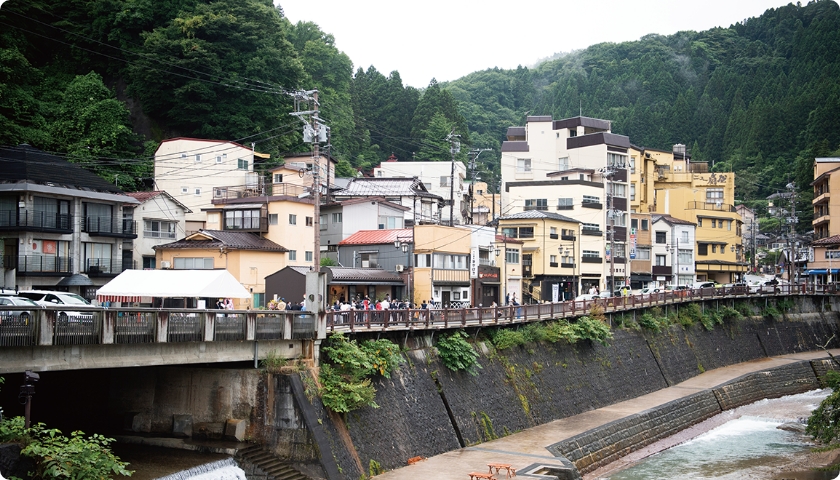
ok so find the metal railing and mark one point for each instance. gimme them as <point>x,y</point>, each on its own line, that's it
<point>109,226</point>
<point>35,220</point>
<point>38,263</point>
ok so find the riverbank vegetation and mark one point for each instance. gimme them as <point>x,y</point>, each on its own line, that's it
<point>824,422</point>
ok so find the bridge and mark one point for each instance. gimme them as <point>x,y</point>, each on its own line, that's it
<point>52,338</point>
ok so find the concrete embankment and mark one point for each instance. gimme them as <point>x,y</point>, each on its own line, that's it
<point>427,410</point>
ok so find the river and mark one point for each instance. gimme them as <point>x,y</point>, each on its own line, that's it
<point>743,443</point>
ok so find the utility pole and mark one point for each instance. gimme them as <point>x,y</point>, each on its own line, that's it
<point>454,148</point>
<point>609,171</point>
<point>791,233</point>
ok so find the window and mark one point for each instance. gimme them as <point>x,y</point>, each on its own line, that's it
<point>591,227</point>
<point>242,164</point>
<point>278,178</point>
<point>632,164</point>
<point>536,204</point>
<point>699,221</point>
<point>714,195</point>
<point>523,165</point>
<point>590,254</point>
<point>272,219</point>
<point>242,219</point>
<point>720,223</point>
<point>197,192</point>
<point>565,203</point>
<point>632,191</point>
<point>552,231</point>
<point>684,237</point>
<point>292,219</point>
<point>618,250</point>
<point>684,257</point>
<point>198,159</point>
<point>645,224</point>
<point>634,223</point>
<point>158,229</point>
<point>591,199</point>
<point>308,256</point>
<point>193,263</point>
<point>616,160</point>
<point>449,261</point>
<point>563,164</point>
<point>660,261</point>
<point>661,237</point>
<point>218,159</point>
<point>444,181</point>
<point>552,259</point>
<point>423,260</point>
<point>336,218</point>
<point>729,224</point>
<point>369,259</point>
<point>149,263</point>
<point>390,222</point>
<point>643,253</point>
<point>526,232</point>
<point>292,255</point>
<point>618,190</point>
<point>512,255</point>
<point>185,190</point>
<point>309,221</point>
<point>703,249</point>
<point>620,220</point>
<point>509,232</point>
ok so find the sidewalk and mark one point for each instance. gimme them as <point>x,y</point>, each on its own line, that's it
<point>527,447</point>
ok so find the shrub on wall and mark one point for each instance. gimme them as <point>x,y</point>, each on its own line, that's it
<point>589,328</point>
<point>456,353</point>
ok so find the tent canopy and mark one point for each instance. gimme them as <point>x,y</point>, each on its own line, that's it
<point>173,283</point>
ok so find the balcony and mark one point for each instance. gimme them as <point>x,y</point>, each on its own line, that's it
<point>592,260</point>
<point>35,221</point>
<point>661,270</point>
<point>595,205</point>
<point>567,265</point>
<point>715,206</point>
<point>591,232</point>
<point>103,267</point>
<point>158,234</point>
<point>226,194</point>
<point>542,208</point>
<point>553,264</point>
<point>823,197</point>
<point>110,227</point>
<point>568,236</point>
<point>39,264</point>
<point>252,224</point>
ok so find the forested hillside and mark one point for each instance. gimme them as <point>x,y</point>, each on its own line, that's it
<point>103,81</point>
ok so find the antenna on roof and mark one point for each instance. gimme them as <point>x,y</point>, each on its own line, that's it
<point>580,106</point>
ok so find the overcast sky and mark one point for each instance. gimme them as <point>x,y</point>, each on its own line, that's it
<point>449,39</point>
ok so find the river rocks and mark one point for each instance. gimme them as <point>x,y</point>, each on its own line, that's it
<point>792,427</point>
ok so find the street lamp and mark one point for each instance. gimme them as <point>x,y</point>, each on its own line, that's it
<point>404,245</point>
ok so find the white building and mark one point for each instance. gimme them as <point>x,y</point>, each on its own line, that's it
<point>161,219</point>
<point>576,167</point>
<point>437,177</point>
<point>673,250</point>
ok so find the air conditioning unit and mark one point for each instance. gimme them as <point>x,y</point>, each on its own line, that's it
<point>400,268</point>
<point>164,264</point>
<point>718,204</point>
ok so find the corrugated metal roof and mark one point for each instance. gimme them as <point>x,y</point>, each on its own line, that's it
<point>378,237</point>
<point>669,219</point>
<point>214,239</point>
<point>538,214</point>
<point>28,164</point>
<point>386,187</point>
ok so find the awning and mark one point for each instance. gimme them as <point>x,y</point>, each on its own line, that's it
<point>117,298</point>
<point>173,283</point>
<point>822,271</point>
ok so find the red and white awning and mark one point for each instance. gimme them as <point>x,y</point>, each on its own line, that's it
<point>117,298</point>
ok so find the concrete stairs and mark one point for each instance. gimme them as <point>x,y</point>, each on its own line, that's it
<point>259,463</point>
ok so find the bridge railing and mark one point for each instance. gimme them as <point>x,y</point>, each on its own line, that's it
<point>54,325</point>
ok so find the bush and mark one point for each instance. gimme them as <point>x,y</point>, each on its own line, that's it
<point>456,353</point>
<point>593,329</point>
<point>273,363</point>
<point>505,338</point>
<point>562,330</point>
<point>689,315</point>
<point>647,320</point>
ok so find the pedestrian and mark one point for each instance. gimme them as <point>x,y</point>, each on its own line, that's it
<point>229,304</point>
<point>282,304</point>
<point>220,305</point>
<point>592,289</point>
<point>507,299</point>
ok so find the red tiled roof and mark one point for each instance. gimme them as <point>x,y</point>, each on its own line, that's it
<point>378,237</point>
<point>832,240</point>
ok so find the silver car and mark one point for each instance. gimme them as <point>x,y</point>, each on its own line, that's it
<point>16,317</point>
<point>51,299</point>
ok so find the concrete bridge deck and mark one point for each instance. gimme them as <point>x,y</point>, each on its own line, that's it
<point>528,447</point>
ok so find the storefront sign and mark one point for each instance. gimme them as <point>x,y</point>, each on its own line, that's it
<point>474,262</point>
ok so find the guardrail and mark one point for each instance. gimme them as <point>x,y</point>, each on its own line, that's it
<point>40,326</point>
<point>435,319</point>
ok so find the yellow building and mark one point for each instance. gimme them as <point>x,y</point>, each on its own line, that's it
<point>248,257</point>
<point>485,206</point>
<point>441,268</point>
<point>824,267</point>
<point>550,254</point>
<point>687,190</point>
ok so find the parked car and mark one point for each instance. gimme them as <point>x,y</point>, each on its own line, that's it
<point>16,317</point>
<point>770,286</point>
<point>51,298</point>
<point>587,297</point>
<point>622,291</point>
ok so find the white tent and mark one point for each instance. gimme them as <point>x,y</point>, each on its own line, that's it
<point>130,285</point>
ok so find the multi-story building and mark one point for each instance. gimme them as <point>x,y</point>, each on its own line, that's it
<point>688,191</point>
<point>442,265</point>
<point>550,254</point>
<point>424,207</point>
<point>58,220</point>
<point>195,171</point>
<point>673,251</point>
<point>340,220</point>
<point>485,206</point>
<point>372,251</point>
<point>578,167</point>
<point>444,179</point>
<point>161,220</point>
<point>823,268</point>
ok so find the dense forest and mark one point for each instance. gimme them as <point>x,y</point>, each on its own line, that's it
<point>101,82</point>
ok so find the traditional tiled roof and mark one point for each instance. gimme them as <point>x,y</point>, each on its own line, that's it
<point>378,237</point>
<point>669,219</point>
<point>381,200</point>
<point>538,214</point>
<point>215,239</point>
<point>832,240</point>
<point>362,275</point>
<point>386,187</point>
<point>28,164</point>
<point>146,196</point>
<point>504,239</point>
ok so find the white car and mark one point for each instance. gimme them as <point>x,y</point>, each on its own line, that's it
<point>50,299</point>
<point>587,297</point>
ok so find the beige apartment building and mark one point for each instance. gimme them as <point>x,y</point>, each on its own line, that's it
<point>578,168</point>
<point>824,265</point>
